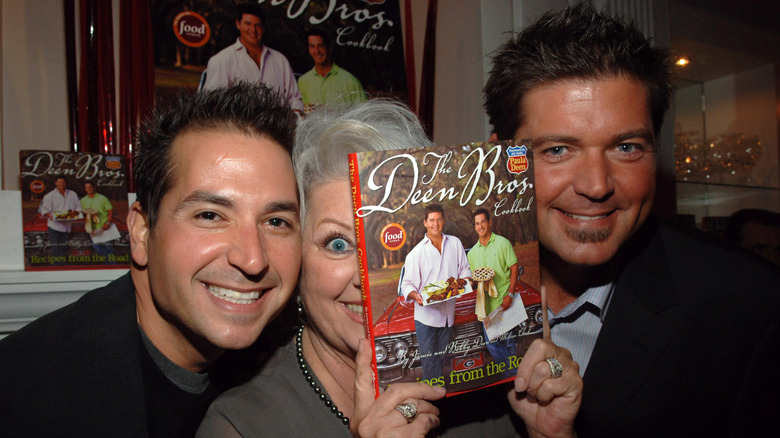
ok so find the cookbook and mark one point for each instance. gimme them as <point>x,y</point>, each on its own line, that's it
<point>448,251</point>
<point>73,210</point>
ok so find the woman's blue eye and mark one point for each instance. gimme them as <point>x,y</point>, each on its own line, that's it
<point>337,244</point>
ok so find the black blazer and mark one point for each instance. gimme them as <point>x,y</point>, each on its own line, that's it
<point>76,371</point>
<point>690,345</point>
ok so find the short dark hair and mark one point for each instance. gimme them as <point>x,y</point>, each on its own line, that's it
<point>316,31</point>
<point>251,9</point>
<point>433,208</point>
<point>577,42</point>
<point>480,211</point>
<point>89,181</point>
<point>59,177</point>
<point>737,221</point>
<point>250,109</point>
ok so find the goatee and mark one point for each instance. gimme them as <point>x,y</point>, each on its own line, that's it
<point>580,235</point>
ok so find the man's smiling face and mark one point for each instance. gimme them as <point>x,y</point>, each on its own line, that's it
<point>482,226</point>
<point>594,158</point>
<point>318,50</point>
<point>224,254</point>
<point>250,29</point>
<point>434,224</point>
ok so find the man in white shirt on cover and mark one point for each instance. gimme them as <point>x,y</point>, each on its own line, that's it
<point>59,199</point>
<point>249,60</point>
<point>436,258</point>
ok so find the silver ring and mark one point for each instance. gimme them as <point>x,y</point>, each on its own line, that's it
<point>556,369</point>
<point>408,410</point>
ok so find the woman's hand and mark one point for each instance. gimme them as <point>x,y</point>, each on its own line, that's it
<point>379,417</point>
<point>548,405</point>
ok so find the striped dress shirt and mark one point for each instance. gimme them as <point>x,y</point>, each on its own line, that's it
<point>577,325</point>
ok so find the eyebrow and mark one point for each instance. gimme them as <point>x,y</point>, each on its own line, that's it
<point>283,206</point>
<point>640,133</point>
<point>538,141</point>
<point>334,221</point>
<point>200,196</point>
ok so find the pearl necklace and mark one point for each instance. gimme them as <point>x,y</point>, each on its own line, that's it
<point>313,383</point>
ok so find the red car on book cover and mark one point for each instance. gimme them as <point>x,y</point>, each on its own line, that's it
<point>396,340</point>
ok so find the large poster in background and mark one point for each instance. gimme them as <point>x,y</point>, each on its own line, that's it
<point>74,207</point>
<point>365,34</point>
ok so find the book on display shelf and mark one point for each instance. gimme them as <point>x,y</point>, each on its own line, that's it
<point>448,252</point>
<point>74,206</point>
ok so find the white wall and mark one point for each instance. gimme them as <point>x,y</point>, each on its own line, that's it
<point>34,92</point>
<point>458,114</point>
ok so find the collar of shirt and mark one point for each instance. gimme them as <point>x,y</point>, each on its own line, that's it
<point>597,296</point>
<point>427,240</point>
<point>577,326</point>
<point>334,70</point>
<point>492,238</point>
<point>239,46</point>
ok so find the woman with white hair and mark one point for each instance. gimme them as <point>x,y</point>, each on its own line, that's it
<point>321,382</point>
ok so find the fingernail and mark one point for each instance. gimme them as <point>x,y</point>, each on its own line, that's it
<point>520,384</point>
<point>360,345</point>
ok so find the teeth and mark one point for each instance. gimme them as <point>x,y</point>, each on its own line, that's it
<point>355,308</point>
<point>586,218</point>
<point>234,296</point>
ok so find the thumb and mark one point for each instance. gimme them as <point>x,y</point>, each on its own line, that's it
<point>364,379</point>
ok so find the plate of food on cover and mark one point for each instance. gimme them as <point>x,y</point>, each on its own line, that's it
<point>66,215</point>
<point>440,291</point>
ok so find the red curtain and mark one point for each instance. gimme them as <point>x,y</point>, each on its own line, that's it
<point>136,73</point>
<point>92,101</point>
<point>96,98</point>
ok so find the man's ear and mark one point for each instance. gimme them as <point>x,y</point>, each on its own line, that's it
<point>138,227</point>
<point>493,137</point>
<point>238,25</point>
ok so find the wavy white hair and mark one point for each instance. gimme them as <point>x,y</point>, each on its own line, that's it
<point>327,135</point>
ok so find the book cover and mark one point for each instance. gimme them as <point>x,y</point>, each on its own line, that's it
<point>479,306</point>
<point>74,207</point>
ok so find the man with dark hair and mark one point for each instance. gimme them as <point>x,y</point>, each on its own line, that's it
<point>495,252</point>
<point>757,230</point>
<point>326,82</point>
<point>249,60</point>
<point>215,243</point>
<point>60,200</point>
<point>98,215</point>
<point>437,257</point>
<point>653,314</point>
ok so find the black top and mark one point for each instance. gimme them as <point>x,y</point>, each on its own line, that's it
<point>690,345</point>
<point>83,371</point>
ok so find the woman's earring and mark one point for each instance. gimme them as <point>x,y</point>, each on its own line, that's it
<point>300,306</point>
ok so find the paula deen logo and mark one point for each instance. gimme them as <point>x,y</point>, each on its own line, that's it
<point>113,163</point>
<point>518,161</point>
